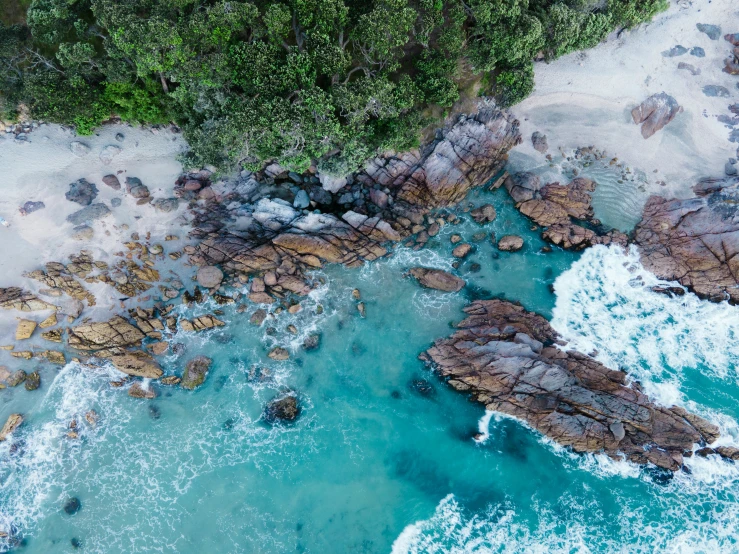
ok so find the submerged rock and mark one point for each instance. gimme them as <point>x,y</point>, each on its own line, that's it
<point>283,409</point>
<point>72,506</point>
<point>503,356</point>
<point>510,243</point>
<point>437,279</point>
<point>695,241</point>
<point>195,372</point>
<point>33,381</point>
<point>88,214</point>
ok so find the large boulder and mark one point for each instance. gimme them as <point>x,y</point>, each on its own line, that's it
<point>210,277</point>
<point>654,113</point>
<point>437,279</point>
<point>132,362</point>
<point>506,359</point>
<point>11,424</point>
<point>117,332</point>
<point>695,241</point>
<point>195,372</point>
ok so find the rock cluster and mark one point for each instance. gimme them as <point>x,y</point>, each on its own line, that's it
<point>390,200</point>
<point>15,298</point>
<point>565,211</point>
<point>695,241</point>
<point>731,64</point>
<point>505,358</point>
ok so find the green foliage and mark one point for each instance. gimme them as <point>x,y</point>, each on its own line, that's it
<point>330,82</point>
<point>513,85</point>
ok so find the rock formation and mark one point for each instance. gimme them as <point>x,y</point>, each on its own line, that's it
<point>117,332</point>
<point>695,241</point>
<point>14,298</point>
<point>565,211</point>
<point>282,409</point>
<point>504,357</point>
<point>195,372</point>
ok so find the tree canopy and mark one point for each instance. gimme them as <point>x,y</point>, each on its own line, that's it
<point>297,81</point>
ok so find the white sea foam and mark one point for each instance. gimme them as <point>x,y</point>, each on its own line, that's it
<point>605,304</point>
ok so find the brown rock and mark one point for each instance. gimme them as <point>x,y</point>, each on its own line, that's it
<point>195,372</point>
<point>484,214</point>
<point>137,391</point>
<point>25,329</point>
<point>437,279</point>
<point>49,321</point>
<point>279,354</point>
<point>502,356</point>
<point>655,112</point>
<point>510,243</point>
<point>462,250</point>
<point>258,317</point>
<point>133,362</point>
<point>11,424</point>
<point>116,332</point>
<point>170,380</point>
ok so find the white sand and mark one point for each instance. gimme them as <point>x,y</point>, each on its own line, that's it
<point>42,169</point>
<point>586,98</point>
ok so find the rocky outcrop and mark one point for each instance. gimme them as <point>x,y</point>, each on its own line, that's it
<point>436,279</point>
<point>14,298</point>
<point>695,241</point>
<point>565,211</point>
<point>132,362</point>
<point>654,113</point>
<point>117,332</point>
<point>505,358</point>
<point>388,201</point>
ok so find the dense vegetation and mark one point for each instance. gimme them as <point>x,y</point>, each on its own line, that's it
<point>297,81</point>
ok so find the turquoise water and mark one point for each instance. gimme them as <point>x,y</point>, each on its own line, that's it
<point>382,458</point>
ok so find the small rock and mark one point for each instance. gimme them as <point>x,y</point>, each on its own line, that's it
<point>120,137</point>
<point>108,153</point>
<point>33,381</point>
<point>312,342</point>
<point>278,353</point>
<point>302,200</point>
<point>82,192</point>
<point>195,372</point>
<point>698,52</point>
<point>258,317</point>
<point>30,207</point>
<point>72,506</point>
<point>137,391</point>
<point>678,50</point>
<point>539,142</point>
<point>282,409</point>
<point>79,149</point>
<point>716,91</point>
<point>11,424</point>
<point>510,243</point>
<point>713,31</point>
<point>116,202</point>
<point>112,181</point>
<point>362,309</point>
<point>136,188</point>
<point>462,250</point>
<point>166,205</point>
<point>171,380</point>
<point>209,276</point>
<point>83,232</point>
<point>693,70</point>
<point>25,329</point>
<point>454,239</point>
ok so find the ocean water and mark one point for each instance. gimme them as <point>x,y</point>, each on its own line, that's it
<point>382,458</point>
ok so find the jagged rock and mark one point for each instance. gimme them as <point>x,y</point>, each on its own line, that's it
<point>695,241</point>
<point>49,321</point>
<point>82,192</point>
<point>112,181</point>
<point>555,206</point>
<point>654,113</point>
<point>171,380</point>
<point>510,243</point>
<point>88,214</point>
<point>539,142</point>
<point>25,329</point>
<point>282,409</point>
<point>137,391</point>
<point>278,353</point>
<point>200,323</point>
<point>11,424</point>
<point>195,372</point>
<point>33,381</point>
<point>132,362</point>
<point>166,205</point>
<point>14,298</point>
<point>484,214</point>
<point>437,279</point>
<point>210,277</point>
<point>54,357</point>
<point>116,332</point>
<point>54,335</point>
<point>503,356</point>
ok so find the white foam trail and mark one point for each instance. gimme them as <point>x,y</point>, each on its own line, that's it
<point>604,304</point>
<point>483,427</point>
